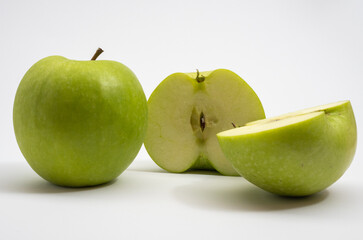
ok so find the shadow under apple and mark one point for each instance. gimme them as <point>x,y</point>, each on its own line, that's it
<point>237,194</point>
<point>18,177</point>
<point>151,167</point>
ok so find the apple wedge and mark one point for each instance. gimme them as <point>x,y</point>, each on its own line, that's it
<point>187,110</point>
<point>295,154</point>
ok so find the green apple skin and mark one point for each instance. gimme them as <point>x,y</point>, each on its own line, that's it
<point>79,123</point>
<point>175,139</point>
<point>297,159</point>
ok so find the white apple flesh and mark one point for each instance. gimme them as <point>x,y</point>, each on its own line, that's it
<point>295,154</point>
<point>186,111</point>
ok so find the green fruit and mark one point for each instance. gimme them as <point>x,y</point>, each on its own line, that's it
<point>186,111</point>
<point>295,154</point>
<point>79,123</point>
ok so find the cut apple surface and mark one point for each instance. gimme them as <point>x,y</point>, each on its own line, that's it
<point>187,110</point>
<point>295,154</point>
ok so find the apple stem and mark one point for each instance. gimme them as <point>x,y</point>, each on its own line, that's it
<point>97,53</point>
<point>234,125</point>
<point>200,78</point>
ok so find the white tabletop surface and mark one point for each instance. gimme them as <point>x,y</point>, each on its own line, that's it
<point>294,54</point>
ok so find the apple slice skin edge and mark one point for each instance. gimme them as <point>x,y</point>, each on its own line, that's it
<point>298,158</point>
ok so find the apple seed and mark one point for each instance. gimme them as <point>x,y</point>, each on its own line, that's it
<point>202,121</point>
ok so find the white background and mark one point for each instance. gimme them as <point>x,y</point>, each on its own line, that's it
<point>294,54</point>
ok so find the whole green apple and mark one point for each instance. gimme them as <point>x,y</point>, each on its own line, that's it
<point>79,123</point>
<point>187,110</point>
<point>296,154</point>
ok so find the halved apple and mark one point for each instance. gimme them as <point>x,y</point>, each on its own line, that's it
<point>187,110</point>
<point>295,154</point>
